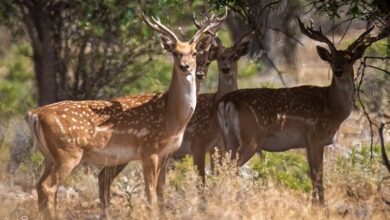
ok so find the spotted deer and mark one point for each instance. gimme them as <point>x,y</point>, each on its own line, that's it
<point>108,174</point>
<point>111,133</point>
<point>308,116</point>
<point>202,132</point>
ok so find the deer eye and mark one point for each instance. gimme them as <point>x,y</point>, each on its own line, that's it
<point>195,54</point>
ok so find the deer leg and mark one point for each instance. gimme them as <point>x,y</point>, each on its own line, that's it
<point>105,178</point>
<point>42,196</point>
<point>49,186</point>
<point>161,184</point>
<point>150,167</point>
<point>199,157</point>
<point>230,140</point>
<point>245,147</point>
<point>247,150</point>
<point>315,158</point>
<point>212,162</point>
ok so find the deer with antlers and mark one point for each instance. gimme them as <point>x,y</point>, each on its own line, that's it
<point>108,174</point>
<point>300,117</point>
<point>202,132</point>
<point>112,133</point>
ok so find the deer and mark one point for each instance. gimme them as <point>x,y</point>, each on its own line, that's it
<point>108,174</point>
<point>308,116</point>
<point>111,133</point>
<point>202,132</point>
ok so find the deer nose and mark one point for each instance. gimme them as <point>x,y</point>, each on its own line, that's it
<point>225,70</point>
<point>225,67</point>
<point>184,67</point>
<point>338,72</point>
<point>200,75</point>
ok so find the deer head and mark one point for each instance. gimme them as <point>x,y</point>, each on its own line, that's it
<point>341,61</point>
<point>227,57</point>
<point>184,53</point>
<point>203,60</point>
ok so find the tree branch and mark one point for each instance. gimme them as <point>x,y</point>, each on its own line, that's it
<point>383,148</point>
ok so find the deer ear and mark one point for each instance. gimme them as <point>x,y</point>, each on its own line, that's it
<point>204,43</point>
<point>324,53</point>
<point>167,43</point>
<point>243,48</point>
<point>358,52</point>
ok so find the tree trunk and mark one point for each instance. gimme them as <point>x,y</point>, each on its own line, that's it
<point>45,74</point>
<point>46,65</point>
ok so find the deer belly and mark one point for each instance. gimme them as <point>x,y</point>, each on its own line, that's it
<point>291,132</point>
<point>111,155</point>
<point>284,140</point>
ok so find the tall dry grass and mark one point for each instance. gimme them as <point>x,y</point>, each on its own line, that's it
<point>356,188</point>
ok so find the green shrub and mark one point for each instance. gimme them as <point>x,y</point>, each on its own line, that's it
<point>360,161</point>
<point>181,168</point>
<point>288,169</point>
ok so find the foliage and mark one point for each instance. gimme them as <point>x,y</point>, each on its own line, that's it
<point>99,46</point>
<point>250,69</point>
<point>182,167</point>
<point>380,48</point>
<point>375,11</point>
<point>156,77</point>
<point>288,169</point>
<point>8,13</point>
<point>16,81</point>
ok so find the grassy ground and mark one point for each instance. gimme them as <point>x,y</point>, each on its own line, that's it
<point>273,186</point>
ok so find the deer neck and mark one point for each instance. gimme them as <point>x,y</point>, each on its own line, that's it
<point>340,95</point>
<point>181,100</point>
<point>198,85</point>
<point>226,84</point>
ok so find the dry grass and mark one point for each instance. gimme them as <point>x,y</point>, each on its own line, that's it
<point>356,188</point>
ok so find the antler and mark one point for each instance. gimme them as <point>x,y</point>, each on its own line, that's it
<point>366,40</point>
<point>212,23</point>
<point>360,40</point>
<point>250,31</point>
<point>316,35</point>
<point>200,24</point>
<point>157,26</point>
